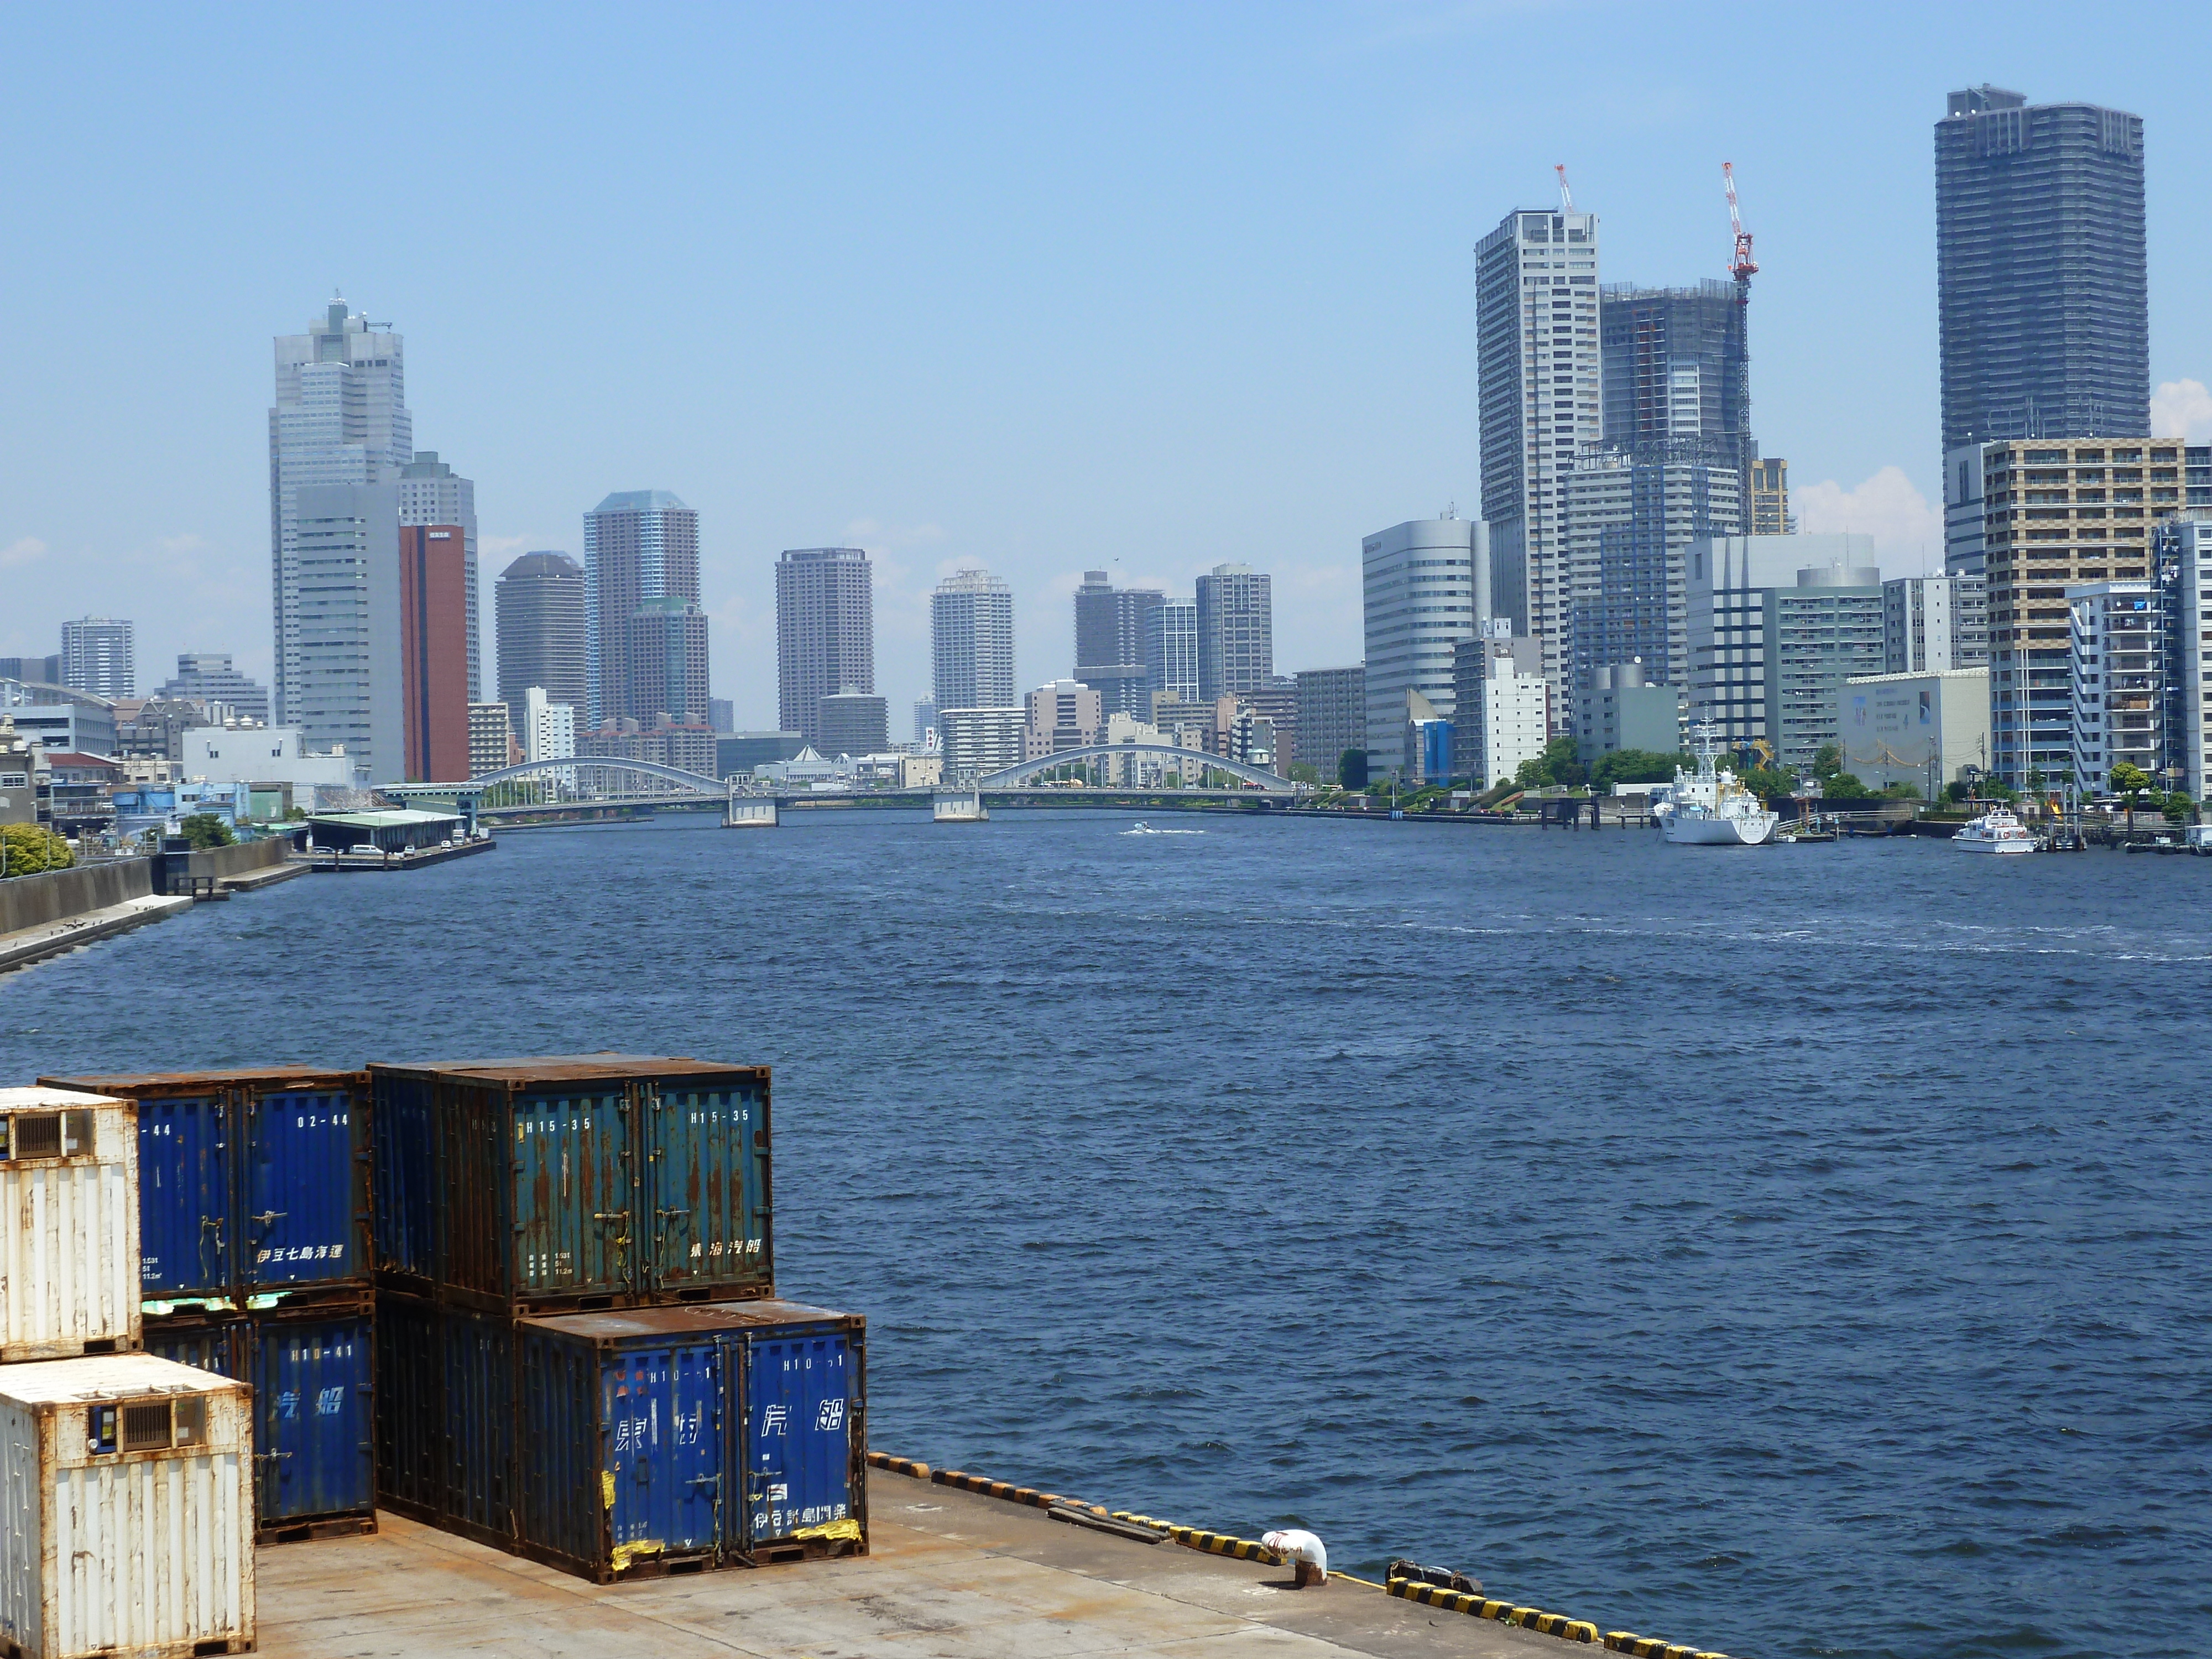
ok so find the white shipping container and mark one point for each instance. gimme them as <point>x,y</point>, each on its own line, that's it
<point>126,1509</point>
<point>69,1224</point>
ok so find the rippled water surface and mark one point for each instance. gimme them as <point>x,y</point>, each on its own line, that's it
<point>1791,1252</point>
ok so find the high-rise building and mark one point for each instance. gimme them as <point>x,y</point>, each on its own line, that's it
<point>1503,701</point>
<point>1424,586</point>
<point>668,665</point>
<point>854,723</point>
<point>825,632</point>
<point>722,716</point>
<point>543,632</point>
<point>2117,664</point>
<point>433,651</point>
<point>925,720</point>
<point>1964,552</point>
<point>431,492</point>
<point>1634,510</point>
<point>1277,704</point>
<point>1676,366</point>
<point>1618,707</point>
<point>208,676</point>
<point>2058,514</point>
<point>971,643</point>
<point>340,418</point>
<point>1236,630</point>
<point>1331,716</point>
<point>1536,324</point>
<point>491,737</point>
<point>639,544</point>
<point>96,657</point>
<point>1774,634</point>
<point>1171,651</point>
<point>1770,497</point>
<point>1110,628</point>
<point>2189,670</point>
<point>343,661</point>
<point>2042,290</point>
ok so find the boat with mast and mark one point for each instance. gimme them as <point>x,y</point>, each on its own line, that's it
<point>1711,807</point>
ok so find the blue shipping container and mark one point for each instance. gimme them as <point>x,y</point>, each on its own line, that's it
<point>314,1399</point>
<point>250,1183</point>
<point>709,1435</point>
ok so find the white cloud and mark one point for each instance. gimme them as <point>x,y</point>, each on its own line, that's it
<point>1906,527</point>
<point>23,551</point>
<point>2181,409</point>
<point>498,547</point>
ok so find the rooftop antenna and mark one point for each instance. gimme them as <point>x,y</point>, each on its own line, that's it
<point>1566,195</point>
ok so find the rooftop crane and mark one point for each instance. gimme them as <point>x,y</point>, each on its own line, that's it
<point>1743,267</point>
<point>1566,195</point>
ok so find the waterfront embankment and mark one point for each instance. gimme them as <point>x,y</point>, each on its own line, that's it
<point>44,914</point>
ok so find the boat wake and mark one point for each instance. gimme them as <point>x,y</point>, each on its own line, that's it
<point>1141,829</point>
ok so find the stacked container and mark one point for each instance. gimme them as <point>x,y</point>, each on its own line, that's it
<point>575,1277</point>
<point>125,1518</point>
<point>254,1263</point>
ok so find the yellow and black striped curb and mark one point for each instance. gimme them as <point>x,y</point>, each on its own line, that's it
<point>898,1465</point>
<point>1651,1647</point>
<point>1213,1543</point>
<point>1478,1607</point>
<point>1011,1494</point>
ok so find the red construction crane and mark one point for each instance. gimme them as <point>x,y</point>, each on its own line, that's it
<point>1566,195</point>
<point>1743,267</point>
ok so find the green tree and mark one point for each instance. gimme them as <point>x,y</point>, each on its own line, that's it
<point>1302,772</point>
<point>1352,768</point>
<point>1902,791</point>
<point>2177,806</point>
<point>31,848</point>
<point>1842,786</point>
<point>1955,790</point>
<point>1636,766</point>
<point>1769,783</point>
<point>2128,780</point>
<point>1828,761</point>
<point>204,829</point>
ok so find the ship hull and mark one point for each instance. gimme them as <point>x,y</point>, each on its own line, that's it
<point>1978,844</point>
<point>1720,831</point>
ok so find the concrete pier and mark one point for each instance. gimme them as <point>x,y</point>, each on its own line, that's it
<point>951,1573</point>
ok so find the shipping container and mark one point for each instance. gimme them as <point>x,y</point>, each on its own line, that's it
<point>677,1439</point>
<point>575,1183</point>
<point>445,1416</point>
<point>69,1224</point>
<point>128,1527</point>
<point>251,1182</point>
<point>312,1370</point>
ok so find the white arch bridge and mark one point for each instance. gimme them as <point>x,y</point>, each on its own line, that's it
<point>1187,762</point>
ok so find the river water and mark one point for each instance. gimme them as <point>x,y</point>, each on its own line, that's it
<point>1790,1252</point>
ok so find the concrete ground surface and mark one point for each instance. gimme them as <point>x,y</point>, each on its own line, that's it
<point>951,1575</point>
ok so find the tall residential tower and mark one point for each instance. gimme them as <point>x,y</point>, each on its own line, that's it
<point>825,633</point>
<point>639,544</point>
<point>971,644</point>
<point>1536,322</point>
<point>542,635</point>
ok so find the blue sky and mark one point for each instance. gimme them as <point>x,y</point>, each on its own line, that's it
<point>1039,288</point>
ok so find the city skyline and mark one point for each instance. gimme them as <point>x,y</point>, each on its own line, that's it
<point>1836,182</point>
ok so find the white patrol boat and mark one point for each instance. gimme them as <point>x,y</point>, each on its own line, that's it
<point>1995,831</point>
<point>1709,808</point>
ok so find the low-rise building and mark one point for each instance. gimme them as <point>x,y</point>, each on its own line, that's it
<point>19,802</point>
<point>269,755</point>
<point>742,751</point>
<point>1504,715</point>
<point>491,739</point>
<point>977,742</point>
<point>1617,709</point>
<point>1923,729</point>
<point>1332,717</point>
<point>1060,715</point>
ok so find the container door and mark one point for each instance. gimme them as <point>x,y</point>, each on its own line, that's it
<point>707,1175</point>
<point>186,1230</point>
<point>300,1185</point>
<point>661,1411</point>
<point>403,1127</point>
<point>799,1401</point>
<point>313,1449</point>
<point>576,1203</point>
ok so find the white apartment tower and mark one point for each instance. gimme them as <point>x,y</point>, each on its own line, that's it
<point>431,492</point>
<point>340,418</point>
<point>1536,323</point>
<point>97,656</point>
<point>1424,585</point>
<point>971,642</point>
